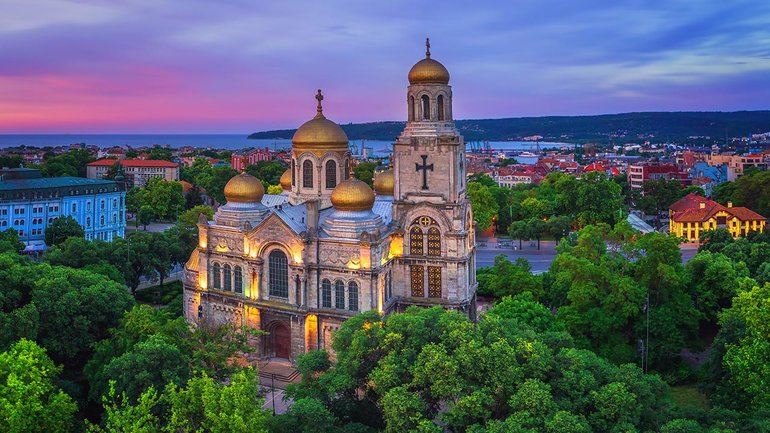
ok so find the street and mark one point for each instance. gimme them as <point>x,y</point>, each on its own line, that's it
<point>540,260</point>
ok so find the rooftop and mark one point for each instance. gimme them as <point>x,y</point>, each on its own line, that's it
<point>134,163</point>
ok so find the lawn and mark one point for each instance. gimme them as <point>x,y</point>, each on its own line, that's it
<point>687,397</point>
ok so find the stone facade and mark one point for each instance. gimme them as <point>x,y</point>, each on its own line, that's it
<point>299,264</point>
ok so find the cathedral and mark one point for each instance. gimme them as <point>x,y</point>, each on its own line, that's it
<point>298,264</point>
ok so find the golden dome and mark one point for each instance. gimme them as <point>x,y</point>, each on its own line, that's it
<point>352,194</point>
<point>384,183</point>
<point>428,70</point>
<point>286,180</point>
<point>320,134</point>
<point>244,188</point>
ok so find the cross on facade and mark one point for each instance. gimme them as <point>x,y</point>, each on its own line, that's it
<point>424,167</point>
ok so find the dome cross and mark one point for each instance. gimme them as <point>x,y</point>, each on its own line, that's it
<point>427,48</point>
<point>319,97</point>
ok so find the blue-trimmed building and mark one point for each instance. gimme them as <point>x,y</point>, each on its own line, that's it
<point>29,203</point>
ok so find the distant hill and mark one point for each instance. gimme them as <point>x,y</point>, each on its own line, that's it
<point>624,127</point>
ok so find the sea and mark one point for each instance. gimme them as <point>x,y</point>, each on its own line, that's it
<point>223,141</point>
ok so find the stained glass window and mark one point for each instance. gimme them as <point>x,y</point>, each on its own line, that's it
<point>278,266</point>
<point>434,281</point>
<point>339,295</point>
<point>307,174</point>
<point>331,174</point>
<point>215,276</point>
<point>417,275</point>
<point>415,241</point>
<point>238,277</point>
<point>228,277</point>
<point>434,241</point>
<point>326,294</point>
<point>353,296</point>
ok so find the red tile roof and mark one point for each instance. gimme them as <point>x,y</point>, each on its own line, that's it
<point>687,209</point>
<point>134,163</point>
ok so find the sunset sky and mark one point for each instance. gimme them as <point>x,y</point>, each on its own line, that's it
<point>238,66</point>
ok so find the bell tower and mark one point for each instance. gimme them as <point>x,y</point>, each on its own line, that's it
<point>429,197</point>
<point>429,156</point>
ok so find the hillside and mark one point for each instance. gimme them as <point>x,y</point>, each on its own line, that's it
<point>622,127</point>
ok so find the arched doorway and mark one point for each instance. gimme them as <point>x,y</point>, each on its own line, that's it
<point>279,341</point>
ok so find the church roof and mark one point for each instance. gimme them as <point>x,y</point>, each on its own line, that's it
<point>273,200</point>
<point>294,216</point>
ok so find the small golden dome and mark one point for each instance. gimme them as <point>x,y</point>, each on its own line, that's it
<point>384,183</point>
<point>320,134</point>
<point>244,188</point>
<point>352,194</point>
<point>286,180</point>
<point>428,70</point>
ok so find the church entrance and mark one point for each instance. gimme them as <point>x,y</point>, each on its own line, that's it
<point>279,341</point>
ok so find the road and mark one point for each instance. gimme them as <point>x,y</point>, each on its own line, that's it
<point>540,260</point>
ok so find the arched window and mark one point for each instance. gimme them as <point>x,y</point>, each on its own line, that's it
<point>434,241</point>
<point>278,266</point>
<point>420,226</point>
<point>411,108</point>
<point>440,107</point>
<point>331,174</point>
<point>238,277</point>
<point>228,278</point>
<point>339,295</point>
<point>415,240</point>
<point>307,174</point>
<point>293,172</point>
<point>425,107</point>
<point>326,294</point>
<point>353,296</point>
<point>347,169</point>
<point>215,276</point>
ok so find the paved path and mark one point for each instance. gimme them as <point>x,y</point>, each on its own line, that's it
<point>540,260</point>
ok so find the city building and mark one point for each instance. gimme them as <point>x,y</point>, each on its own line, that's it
<point>299,264</point>
<point>691,215</point>
<point>137,171</point>
<point>737,164</point>
<point>243,158</point>
<point>29,203</point>
<point>641,172</point>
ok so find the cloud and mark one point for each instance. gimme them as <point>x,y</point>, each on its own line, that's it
<point>243,65</point>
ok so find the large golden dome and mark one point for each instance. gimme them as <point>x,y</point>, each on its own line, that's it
<point>428,70</point>
<point>286,180</point>
<point>352,194</point>
<point>244,188</point>
<point>384,183</point>
<point>320,134</point>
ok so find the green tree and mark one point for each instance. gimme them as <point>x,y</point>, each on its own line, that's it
<point>514,370</point>
<point>133,257</point>
<point>365,172</point>
<point>484,205</point>
<point>145,216</point>
<point>9,241</point>
<point>748,360</point>
<point>164,198</point>
<point>160,153</point>
<point>269,172</point>
<point>62,228</point>
<point>30,401</point>
<point>274,189</point>
<point>214,181</point>
<point>201,405</point>
<point>520,230</point>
